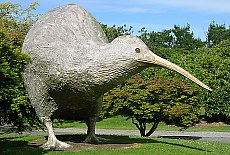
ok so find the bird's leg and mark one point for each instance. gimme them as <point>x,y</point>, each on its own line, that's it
<point>38,95</point>
<point>52,141</point>
<point>91,123</point>
<point>91,136</point>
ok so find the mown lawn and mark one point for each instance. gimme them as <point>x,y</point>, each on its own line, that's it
<point>11,145</point>
<point>16,145</point>
<point>121,123</point>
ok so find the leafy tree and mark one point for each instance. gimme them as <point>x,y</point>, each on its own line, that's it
<point>214,63</point>
<point>15,108</point>
<point>114,32</point>
<point>15,19</point>
<point>153,101</point>
<point>166,38</point>
<point>217,33</point>
<point>211,66</point>
<point>184,39</point>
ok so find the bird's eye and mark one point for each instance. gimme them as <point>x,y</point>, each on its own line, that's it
<point>137,50</point>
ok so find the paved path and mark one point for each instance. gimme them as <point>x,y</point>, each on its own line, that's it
<point>205,136</point>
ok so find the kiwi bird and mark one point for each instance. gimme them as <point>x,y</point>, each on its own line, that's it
<point>73,65</point>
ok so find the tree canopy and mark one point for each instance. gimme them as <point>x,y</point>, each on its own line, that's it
<point>153,101</point>
<point>15,107</point>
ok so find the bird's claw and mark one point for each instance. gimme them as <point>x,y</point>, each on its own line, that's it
<point>52,145</point>
<point>94,140</point>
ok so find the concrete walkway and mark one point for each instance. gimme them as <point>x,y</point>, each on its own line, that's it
<point>205,136</point>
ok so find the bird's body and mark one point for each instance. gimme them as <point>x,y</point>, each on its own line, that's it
<point>68,49</point>
<point>73,65</point>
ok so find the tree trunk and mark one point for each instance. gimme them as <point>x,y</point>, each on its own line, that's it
<point>141,126</point>
<point>154,127</point>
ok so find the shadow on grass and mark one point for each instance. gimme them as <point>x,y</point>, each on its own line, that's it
<point>181,137</point>
<point>114,139</point>
<point>184,138</point>
<point>11,145</point>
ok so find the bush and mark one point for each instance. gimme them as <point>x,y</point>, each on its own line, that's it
<point>153,101</point>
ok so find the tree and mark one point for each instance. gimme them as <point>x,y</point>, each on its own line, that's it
<point>214,63</point>
<point>153,101</point>
<point>114,32</point>
<point>211,66</point>
<point>15,107</point>
<point>184,39</point>
<point>166,38</point>
<point>217,33</point>
<point>15,19</point>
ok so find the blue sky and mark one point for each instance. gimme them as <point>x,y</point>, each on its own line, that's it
<point>155,15</point>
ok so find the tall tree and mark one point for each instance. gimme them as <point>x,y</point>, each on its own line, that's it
<point>211,66</point>
<point>14,104</point>
<point>217,33</point>
<point>184,39</point>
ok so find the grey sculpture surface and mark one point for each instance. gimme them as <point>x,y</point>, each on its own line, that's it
<point>73,65</point>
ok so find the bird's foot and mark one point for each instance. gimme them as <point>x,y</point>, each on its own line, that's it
<point>93,139</point>
<point>56,144</point>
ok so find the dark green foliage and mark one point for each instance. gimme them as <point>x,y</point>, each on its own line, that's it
<point>214,65</point>
<point>114,32</point>
<point>153,101</point>
<point>177,37</point>
<point>14,104</point>
<point>211,66</point>
<point>184,39</point>
<point>217,33</point>
<point>15,107</point>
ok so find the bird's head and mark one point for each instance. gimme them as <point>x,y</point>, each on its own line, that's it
<point>135,49</point>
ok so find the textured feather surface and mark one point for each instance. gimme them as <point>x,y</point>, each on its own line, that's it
<point>72,62</point>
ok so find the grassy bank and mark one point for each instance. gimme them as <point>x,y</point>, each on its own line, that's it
<point>19,145</point>
<point>14,144</point>
<point>121,123</point>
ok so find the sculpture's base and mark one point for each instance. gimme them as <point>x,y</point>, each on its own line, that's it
<point>77,144</point>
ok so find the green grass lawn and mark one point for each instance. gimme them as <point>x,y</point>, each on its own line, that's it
<point>14,145</point>
<point>121,123</point>
<point>11,145</point>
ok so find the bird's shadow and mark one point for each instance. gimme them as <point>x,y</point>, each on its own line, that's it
<point>121,139</point>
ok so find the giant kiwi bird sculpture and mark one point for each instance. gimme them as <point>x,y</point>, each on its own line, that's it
<point>73,65</point>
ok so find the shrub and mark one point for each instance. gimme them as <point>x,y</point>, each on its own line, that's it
<point>153,101</point>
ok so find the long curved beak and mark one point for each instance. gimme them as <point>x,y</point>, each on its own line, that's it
<point>154,59</point>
